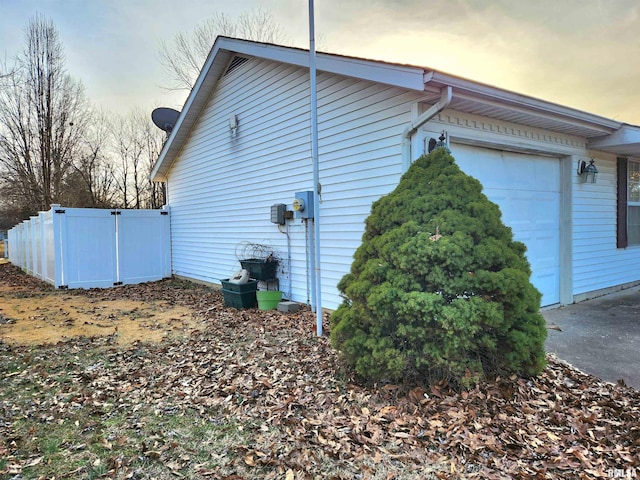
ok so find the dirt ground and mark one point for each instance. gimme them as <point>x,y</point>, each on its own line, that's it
<point>31,314</point>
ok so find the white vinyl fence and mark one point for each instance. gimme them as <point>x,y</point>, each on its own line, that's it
<point>88,247</point>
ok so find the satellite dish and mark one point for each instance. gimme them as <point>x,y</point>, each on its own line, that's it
<point>165,118</point>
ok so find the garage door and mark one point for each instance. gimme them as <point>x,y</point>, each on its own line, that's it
<point>527,190</point>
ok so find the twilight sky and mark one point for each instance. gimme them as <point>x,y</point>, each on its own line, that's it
<point>579,53</point>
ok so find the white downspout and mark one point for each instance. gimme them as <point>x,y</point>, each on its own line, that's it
<point>432,111</point>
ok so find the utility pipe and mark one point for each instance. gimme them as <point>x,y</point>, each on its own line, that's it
<point>316,173</point>
<point>310,259</point>
<point>432,111</point>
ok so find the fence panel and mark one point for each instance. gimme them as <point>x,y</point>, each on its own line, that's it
<point>144,251</point>
<point>87,239</point>
<point>21,247</point>
<point>36,246</point>
<point>12,238</point>
<point>87,247</point>
<point>27,249</point>
<point>48,248</point>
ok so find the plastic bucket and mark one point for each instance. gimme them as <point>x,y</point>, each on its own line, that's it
<point>268,299</point>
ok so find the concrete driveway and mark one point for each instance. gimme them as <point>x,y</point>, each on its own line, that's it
<point>599,336</point>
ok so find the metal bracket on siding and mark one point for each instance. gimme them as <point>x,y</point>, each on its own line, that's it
<point>115,212</point>
<point>115,284</point>
<point>164,213</point>
<point>58,211</point>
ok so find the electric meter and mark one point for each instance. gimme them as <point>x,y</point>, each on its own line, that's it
<point>303,204</point>
<point>298,205</point>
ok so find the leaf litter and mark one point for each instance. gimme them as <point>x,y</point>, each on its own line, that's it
<point>254,394</point>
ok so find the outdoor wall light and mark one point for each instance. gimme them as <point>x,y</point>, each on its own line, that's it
<point>441,143</point>
<point>233,124</point>
<point>587,173</point>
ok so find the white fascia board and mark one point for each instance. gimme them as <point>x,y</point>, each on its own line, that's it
<point>376,71</point>
<point>506,98</point>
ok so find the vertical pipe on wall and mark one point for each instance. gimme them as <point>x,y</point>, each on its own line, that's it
<point>307,247</point>
<point>312,265</point>
<point>316,172</point>
<point>289,269</point>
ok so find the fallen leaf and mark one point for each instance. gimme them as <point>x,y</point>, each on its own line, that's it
<point>33,462</point>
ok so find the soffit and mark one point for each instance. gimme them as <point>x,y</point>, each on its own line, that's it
<point>484,100</point>
<point>624,142</point>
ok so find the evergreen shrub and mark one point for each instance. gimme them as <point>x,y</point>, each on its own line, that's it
<point>438,289</point>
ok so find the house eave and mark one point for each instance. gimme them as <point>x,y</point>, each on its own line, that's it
<point>485,100</point>
<point>404,76</point>
<point>467,97</point>
<point>624,142</point>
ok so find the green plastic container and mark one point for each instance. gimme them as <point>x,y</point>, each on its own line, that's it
<point>268,299</point>
<point>260,269</point>
<point>250,286</point>
<point>239,299</point>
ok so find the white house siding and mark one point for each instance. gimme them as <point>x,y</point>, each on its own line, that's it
<point>359,143</point>
<point>598,263</point>
<point>222,186</point>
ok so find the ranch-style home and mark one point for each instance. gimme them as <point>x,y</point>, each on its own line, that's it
<point>242,145</point>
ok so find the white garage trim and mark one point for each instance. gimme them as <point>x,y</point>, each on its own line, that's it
<point>567,174</point>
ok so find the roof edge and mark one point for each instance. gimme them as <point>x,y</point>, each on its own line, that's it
<point>519,100</point>
<point>187,117</point>
<point>404,76</point>
<point>625,141</point>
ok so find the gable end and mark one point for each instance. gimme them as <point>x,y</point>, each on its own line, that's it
<point>235,62</point>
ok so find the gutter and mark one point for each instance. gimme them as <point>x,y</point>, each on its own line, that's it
<point>432,111</point>
<point>480,91</point>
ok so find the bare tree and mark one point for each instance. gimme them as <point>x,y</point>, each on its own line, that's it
<point>42,117</point>
<point>92,181</point>
<point>128,151</point>
<point>6,71</point>
<point>137,143</point>
<point>184,58</point>
<point>153,138</point>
